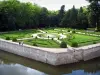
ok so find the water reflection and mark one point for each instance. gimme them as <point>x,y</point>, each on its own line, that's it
<point>81,72</point>
<point>16,69</point>
<point>91,67</point>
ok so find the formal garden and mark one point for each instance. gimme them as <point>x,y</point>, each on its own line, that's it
<point>38,26</point>
<point>53,37</point>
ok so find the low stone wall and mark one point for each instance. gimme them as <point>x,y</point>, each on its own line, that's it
<point>53,58</point>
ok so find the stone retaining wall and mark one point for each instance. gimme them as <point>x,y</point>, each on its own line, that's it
<point>53,58</point>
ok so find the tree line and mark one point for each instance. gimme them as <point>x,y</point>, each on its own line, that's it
<point>15,15</point>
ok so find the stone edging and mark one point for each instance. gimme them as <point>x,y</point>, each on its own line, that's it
<point>53,56</point>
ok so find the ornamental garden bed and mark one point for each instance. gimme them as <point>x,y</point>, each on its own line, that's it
<point>52,37</point>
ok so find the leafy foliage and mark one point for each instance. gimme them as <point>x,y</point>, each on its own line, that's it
<point>15,15</point>
<point>63,45</point>
<point>14,39</point>
<point>7,38</point>
<point>74,44</point>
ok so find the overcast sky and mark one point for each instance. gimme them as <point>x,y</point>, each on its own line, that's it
<point>56,4</point>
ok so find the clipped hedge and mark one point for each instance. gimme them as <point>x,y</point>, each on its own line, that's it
<point>73,31</point>
<point>7,38</point>
<point>34,44</point>
<point>74,44</point>
<point>14,39</point>
<point>63,45</point>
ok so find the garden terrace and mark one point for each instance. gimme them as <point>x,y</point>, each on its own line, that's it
<point>52,37</point>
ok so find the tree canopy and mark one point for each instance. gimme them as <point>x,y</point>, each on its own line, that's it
<point>95,13</point>
<point>15,15</point>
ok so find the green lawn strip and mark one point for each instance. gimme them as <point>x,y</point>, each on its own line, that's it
<point>82,39</point>
<point>89,43</point>
<point>85,31</point>
<point>18,34</point>
<point>43,43</point>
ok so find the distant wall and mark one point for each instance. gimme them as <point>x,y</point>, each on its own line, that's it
<point>74,55</point>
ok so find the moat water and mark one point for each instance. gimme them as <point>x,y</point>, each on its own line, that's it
<point>16,65</point>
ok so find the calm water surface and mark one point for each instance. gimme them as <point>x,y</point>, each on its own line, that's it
<point>16,65</point>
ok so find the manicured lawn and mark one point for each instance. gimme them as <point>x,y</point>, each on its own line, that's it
<point>83,39</point>
<point>88,31</point>
<point>18,34</point>
<point>42,43</point>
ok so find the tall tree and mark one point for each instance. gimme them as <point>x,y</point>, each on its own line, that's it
<point>73,17</point>
<point>66,19</point>
<point>95,12</point>
<point>43,17</point>
<point>82,19</point>
<point>61,14</point>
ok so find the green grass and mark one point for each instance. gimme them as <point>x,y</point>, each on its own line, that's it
<point>42,43</point>
<point>83,39</point>
<point>18,34</point>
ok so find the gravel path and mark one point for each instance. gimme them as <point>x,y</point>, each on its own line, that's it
<point>56,39</point>
<point>87,34</point>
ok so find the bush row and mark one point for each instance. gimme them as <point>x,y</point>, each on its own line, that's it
<point>13,39</point>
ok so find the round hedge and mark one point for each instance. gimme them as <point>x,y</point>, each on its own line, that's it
<point>63,45</point>
<point>74,44</point>
<point>7,38</point>
<point>14,39</point>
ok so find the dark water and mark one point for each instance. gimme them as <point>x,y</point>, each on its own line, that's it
<point>16,65</point>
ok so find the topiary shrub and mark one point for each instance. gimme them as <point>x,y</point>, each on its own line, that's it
<point>14,39</point>
<point>7,38</point>
<point>58,38</point>
<point>63,45</point>
<point>73,31</point>
<point>36,37</point>
<point>74,44</point>
<point>48,37</point>
<point>94,42</point>
<point>68,30</point>
<point>34,44</point>
<point>52,38</point>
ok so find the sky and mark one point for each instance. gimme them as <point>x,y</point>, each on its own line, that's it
<point>56,4</point>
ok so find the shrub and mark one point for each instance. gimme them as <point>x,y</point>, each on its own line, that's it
<point>52,39</point>
<point>58,38</point>
<point>34,44</point>
<point>68,30</point>
<point>14,39</point>
<point>94,42</point>
<point>36,37</point>
<point>74,44</point>
<point>48,37</point>
<point>73,31</point>
<point>7,38</point>
<point>63,45</point>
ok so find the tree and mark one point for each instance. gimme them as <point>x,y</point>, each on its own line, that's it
<point>70,18</point>
<point>73,17</point>
<point>43,17</point>
<point>15,15</point>
<point>95,12</point>
<point>66,19</point>
<point>61,14</point>
<point>82,22</point>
